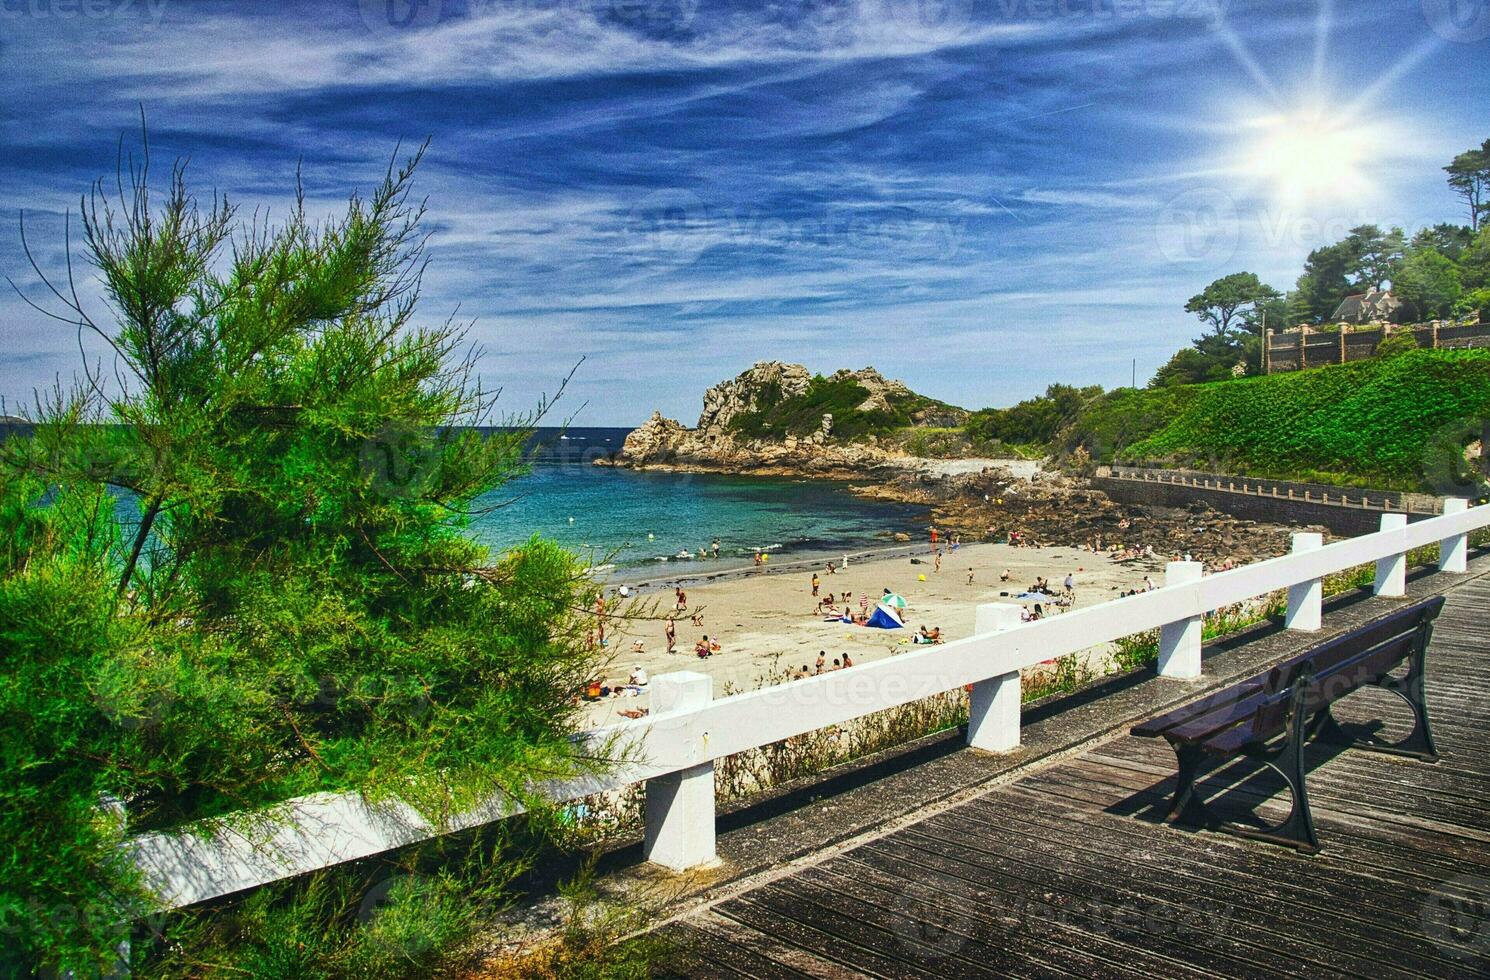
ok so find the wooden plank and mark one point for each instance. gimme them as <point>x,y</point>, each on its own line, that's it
<point>1251,888</point>
<point>962,899</point>
<point>1163,897</point>
<point>713,954</point>
<point>1192,937</point>
<point>824,934</point>
<point>1388,840</point>
<point>1098,943</point>
<point>934,938</point>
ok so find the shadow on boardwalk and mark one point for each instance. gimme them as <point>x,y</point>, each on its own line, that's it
<point>1067,870</point>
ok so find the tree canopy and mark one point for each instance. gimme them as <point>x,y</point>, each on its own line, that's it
<point>1469,176</point>
<point>1225,301</point>
<point>236,572</point>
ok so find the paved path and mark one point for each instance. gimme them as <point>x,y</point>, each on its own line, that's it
<point>1067,871</point>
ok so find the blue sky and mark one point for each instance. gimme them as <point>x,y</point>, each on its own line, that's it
<point>979,198</point>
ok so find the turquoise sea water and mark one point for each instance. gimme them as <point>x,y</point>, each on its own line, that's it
<point>636,520</point>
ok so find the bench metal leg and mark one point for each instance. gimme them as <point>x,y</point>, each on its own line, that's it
<point>1297,830</point>
<point>1419,742</point>
<point>1287,760</point>
<point>1187,808</point>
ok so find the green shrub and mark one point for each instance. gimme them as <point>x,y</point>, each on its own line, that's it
<point>776,416</point>
<point>1376,422</point>
<point>1396,343</point>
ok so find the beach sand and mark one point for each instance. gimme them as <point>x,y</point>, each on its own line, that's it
<point>765,625</point>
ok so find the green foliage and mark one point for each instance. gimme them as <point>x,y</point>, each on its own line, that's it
<point>1113,422</point>
<point>1428,283</point>
<point>1371,422</point>
<point>1397,343</point>
<point>253,581</point>
<point>1474,265</point>
<point>1469,176</point>
<point>1032,421</point>
<point>1213,357</point>
<point>777,416</point>
<point>1224,302</point>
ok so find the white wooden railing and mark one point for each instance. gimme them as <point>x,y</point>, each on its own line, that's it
<point>673,750</point>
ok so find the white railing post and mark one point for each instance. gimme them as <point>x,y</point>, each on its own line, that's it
<point>680,806</point>
<point>1391,572</point>
<point>1453,552</point>
<point>1305,600</point>
<point>993,704</point>
<point>1179,642</point>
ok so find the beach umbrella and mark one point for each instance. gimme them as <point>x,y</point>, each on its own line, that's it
<point>893,599</point>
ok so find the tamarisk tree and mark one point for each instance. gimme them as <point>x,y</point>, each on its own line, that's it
<point>234,569</point>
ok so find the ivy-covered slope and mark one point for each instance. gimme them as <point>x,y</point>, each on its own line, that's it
<point>1387,423</point>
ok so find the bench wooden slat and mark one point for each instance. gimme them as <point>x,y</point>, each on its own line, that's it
<point>1370,635</point>
<point>1293,700</point>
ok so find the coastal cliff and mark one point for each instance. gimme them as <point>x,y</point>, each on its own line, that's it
<point>777,418</point>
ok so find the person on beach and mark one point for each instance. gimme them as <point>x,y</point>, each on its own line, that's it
<point>703,648</point>
<point>682,598</point>
<point>836,664</point>
<point>698,618</point>
<point>847,661</point>
<point>934,536</point>
<point>670,633</point>
<point>1070,584</point>
<point>715,547</point>
<point>1005,575</point>
<point>831,569</point>
<point>936,566</point>
<point>822,659</point>
<point>815,583</point>
<point>969,576</point>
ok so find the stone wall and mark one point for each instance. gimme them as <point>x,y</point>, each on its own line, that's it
<point>1259,502</point>
<point>1290,351</point>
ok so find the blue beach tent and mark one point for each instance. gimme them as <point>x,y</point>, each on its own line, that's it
<point>885,618</point>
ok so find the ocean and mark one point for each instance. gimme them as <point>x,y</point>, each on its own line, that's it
<point>639,522</point>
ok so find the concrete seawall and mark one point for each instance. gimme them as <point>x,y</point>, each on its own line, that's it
<point>1339,519</point>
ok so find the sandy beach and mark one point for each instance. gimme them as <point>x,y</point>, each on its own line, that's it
<point>765,625</point>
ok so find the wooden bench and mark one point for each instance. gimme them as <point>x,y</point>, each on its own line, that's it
<point>1270,717</point>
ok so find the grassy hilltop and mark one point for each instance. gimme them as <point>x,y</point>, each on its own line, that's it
<point>1374,422</point>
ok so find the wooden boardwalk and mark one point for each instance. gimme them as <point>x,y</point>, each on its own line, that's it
<point>1067,871</point>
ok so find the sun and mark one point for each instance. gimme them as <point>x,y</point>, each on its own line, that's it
<point>1308,156</point>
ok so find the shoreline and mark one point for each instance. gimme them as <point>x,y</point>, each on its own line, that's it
<point>805,562</point>
<point>765,623</point>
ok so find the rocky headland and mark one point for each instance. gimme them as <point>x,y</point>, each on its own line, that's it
<point>779,419</point>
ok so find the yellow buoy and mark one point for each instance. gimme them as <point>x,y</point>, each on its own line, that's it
<point>921,578</point>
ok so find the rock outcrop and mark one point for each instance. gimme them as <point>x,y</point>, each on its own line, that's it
<point>716,443</point>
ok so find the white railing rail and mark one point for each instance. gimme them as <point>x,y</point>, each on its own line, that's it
<point>674,748</point>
